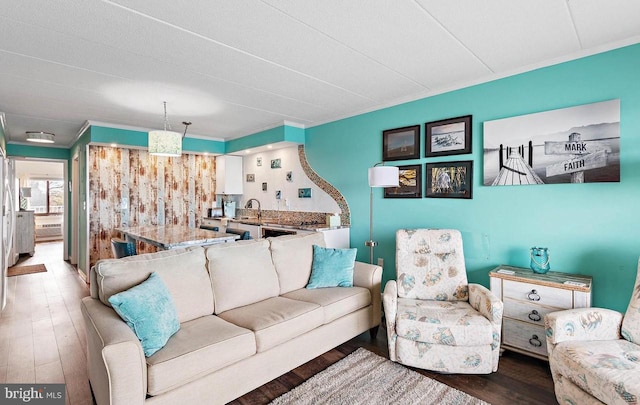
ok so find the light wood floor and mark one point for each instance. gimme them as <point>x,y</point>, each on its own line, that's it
<point>42,340</point>
<point>42,337</point>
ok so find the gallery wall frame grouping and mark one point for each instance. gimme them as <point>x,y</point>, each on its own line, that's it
<point>451,136</point>
<point>441,180</point>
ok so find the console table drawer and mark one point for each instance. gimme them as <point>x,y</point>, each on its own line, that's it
<point>526,312</point>
<point>537,294</point>
<point>528,297</point>
<point>530,338</point>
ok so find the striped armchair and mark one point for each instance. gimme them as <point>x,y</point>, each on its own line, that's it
<point>435,319</point>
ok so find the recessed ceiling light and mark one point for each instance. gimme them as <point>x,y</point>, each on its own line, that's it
<point>113,145</point>
<point>40,137</point>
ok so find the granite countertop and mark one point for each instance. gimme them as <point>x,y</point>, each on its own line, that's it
<point>273,223</point>
<point>173,236</point>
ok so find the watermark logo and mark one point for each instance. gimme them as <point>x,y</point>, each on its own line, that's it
<point>39,394</point>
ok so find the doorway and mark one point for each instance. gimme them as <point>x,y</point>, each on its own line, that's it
<point>42,192</point>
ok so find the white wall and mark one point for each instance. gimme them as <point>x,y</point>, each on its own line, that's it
<point>320,201</point>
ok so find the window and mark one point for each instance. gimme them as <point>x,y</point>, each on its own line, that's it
<point>47,196</point>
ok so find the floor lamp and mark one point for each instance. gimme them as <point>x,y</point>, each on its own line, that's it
<point>379,176</point>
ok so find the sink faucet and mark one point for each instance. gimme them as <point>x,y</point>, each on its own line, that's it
<point>249,204</point>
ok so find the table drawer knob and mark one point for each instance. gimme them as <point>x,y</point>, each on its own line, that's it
<point>534,316</point>
<point>533,295</point>
<point>535,341</point>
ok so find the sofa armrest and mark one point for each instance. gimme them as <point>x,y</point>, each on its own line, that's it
<point>582,324</point>
<point>116,364</point>
<point>370,276</point>
<point>485,302</point>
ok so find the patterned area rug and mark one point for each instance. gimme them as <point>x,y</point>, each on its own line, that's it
<point>21,270</point>
<point>366,378</point>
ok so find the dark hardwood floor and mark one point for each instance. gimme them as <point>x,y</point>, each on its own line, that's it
<point>519,380</point>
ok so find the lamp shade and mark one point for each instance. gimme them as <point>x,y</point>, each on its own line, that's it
<point>165,143</point>
<point>384,176</point>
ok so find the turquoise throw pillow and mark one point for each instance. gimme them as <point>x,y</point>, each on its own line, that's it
<point>332,267</point>
<point>149,311</point>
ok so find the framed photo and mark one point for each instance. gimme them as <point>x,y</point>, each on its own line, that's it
<point>264,186</point>
<point>410,180</point>
<point>259,161</point>
<point>449,179</point>
<point>251,178</point>
<point>276,164</point>
<point>289,176</point>
<point>304,193</point>
<point>401,143</point>
<point>448,137</point>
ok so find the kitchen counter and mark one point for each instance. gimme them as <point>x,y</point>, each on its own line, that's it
<point>335,236</point>
<point>273,223</point>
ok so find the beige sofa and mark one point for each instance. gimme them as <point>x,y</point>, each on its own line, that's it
<point>245,319</point>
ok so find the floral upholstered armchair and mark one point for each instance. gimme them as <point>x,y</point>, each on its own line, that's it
<point>435,319</point>
<point>594,353</point>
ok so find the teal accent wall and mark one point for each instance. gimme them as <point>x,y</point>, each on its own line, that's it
<point>591,229</point>
<point>40,152</point>
<point>125,137</point>
<point>283,133</point>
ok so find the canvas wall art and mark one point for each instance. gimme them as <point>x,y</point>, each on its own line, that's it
<point>570,145</point>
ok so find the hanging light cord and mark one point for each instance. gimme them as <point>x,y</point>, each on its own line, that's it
<point>166,120</point>
<point>186,125</point>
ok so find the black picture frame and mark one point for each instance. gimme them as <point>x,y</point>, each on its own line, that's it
<point>449,179</point>
<point>410,180</point>
<point>448,137</point>
<point>401,143</point>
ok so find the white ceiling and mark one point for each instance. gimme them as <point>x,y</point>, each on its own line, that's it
<point>236,67</point>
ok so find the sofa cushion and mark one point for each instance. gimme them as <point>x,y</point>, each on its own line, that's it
<point>292,257</point>
<point>453,323</point>
<point>276,320</point>
<point>183,271</point>
<point>149,311</point>
<point>201,346</point>
<point>241,273</point>
<point>607,369</point>
<point>332,267</point>
<point>336,301</point>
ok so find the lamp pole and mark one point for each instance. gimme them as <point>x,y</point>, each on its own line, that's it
<point>379,176</point>
<point>371,243</point>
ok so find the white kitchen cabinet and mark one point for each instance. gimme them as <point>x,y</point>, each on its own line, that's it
<point>25,232</point>
<point>229,174</point>
<point>528,297</point>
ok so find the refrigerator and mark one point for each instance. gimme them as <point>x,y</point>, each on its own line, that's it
<point>7,225</point>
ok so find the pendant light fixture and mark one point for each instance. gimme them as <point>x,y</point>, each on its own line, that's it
<point>165,143</point>
<point>40,137</point>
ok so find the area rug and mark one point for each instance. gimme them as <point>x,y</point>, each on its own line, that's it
<point>366,378</point>
<point>29,269</point>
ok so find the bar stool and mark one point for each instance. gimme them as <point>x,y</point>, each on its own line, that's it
<point>122,248</point>
<point>244,235</point>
